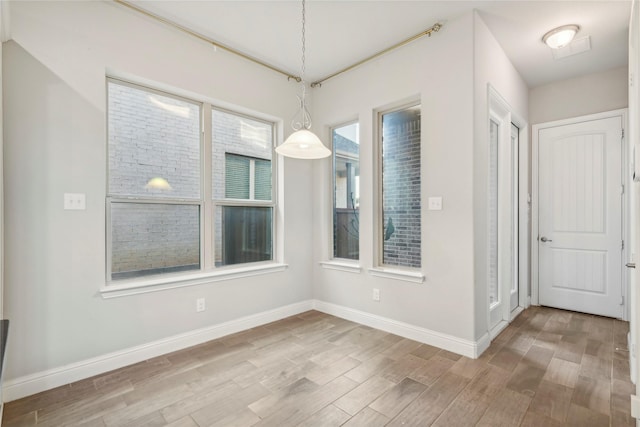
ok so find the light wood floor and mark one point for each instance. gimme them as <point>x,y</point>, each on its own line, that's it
<point>548,368</point>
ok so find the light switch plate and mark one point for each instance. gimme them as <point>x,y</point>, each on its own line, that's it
<point>74,201</point>
<point>435,203</point>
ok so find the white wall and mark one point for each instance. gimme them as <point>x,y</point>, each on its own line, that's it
<point>438,70</point>
<point>4,34</point>
<point>449,72</point>
<point>593,93</point>
<point>491,67</point>
<point>54,81</point>
<point>55,142</point>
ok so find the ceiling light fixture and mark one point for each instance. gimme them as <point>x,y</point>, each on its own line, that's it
<point>561,36</point>
<point>302,143</point>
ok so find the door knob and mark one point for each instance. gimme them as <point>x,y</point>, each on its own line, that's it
<point>544,239</point>
<point>631,264</point>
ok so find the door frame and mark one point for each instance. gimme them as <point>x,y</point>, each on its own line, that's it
<point>535,130</point>
<point>500,109</point>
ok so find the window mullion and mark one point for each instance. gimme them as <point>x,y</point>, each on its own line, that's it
<point>207,237</point>
<point>252,179</point>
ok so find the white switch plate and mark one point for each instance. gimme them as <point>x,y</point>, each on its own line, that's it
<point>200,305</point>
<point>376,294</point>
<point>75,201</point>
<point>435,203</point>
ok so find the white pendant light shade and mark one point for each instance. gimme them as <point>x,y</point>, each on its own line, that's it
<point>303,144</point>
<point>561,36</point>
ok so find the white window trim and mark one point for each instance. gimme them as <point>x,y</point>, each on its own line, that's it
<point>412,275</point>
<point>208,273</point>
<point>337,263</point>
<point>181,280</point>
<point>380,269</point>
<point>342,264</point>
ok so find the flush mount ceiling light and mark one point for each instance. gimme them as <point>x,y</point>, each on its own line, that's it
<point>302,143</point>
<point>561,36</point>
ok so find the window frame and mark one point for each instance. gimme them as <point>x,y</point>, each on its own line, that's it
<point>380,269</point>
<point>111,199</point>
<point>332,242</point>
<point>207,272</point>
<point>222,202</point>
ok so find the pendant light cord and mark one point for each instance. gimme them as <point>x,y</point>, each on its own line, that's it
<point>304,40</point>
<point>302,119</point>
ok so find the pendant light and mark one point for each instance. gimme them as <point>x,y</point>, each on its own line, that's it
<point>302,143</point>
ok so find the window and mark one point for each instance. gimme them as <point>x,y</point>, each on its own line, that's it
<point>400,227</point>
<point>494,294</point>
<point>242,188</point>
<point>158,215</point>
<point>346,191</point>
<point>154,182</point>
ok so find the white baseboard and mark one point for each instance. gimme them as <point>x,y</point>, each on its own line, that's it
<point>495,331</point>
<point>35,383</point>
<point>448,342</point>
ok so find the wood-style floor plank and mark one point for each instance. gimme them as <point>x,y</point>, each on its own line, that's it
<point>548,368</point>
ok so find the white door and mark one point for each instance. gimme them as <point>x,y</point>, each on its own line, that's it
<point>580,216</point>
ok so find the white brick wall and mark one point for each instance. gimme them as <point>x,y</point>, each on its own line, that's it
<point>152,136</point>
<point>154,236</point>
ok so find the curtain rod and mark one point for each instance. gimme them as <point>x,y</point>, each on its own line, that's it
<point>318,83</point>
<point>434,29</point>
<point>199,36</point>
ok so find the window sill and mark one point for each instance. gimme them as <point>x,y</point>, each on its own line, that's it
<point>396,274</point>
<point>349,267</point>
<point>135,287</point>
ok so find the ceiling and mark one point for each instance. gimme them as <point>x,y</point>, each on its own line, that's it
<point>340,33</point>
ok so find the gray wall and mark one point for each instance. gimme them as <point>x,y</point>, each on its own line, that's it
<point>453,299</point>
<point>593,93</point>
<point>491,67</point>
<point>420,72</point>
<point>55,142</point>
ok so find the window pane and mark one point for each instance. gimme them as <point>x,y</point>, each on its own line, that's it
<point>246,138</point>
<point>494,296</point>
<point>262,179</point>
<point>237,177</point>
<point>154,144</point>
<point>401,188</point>
<point>243,234</point>
<point>346,195</point>
<point>151,238</point>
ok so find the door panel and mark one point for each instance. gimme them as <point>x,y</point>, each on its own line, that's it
<point>514,291</point>
<point>580,217</point>
<point>503,221</point>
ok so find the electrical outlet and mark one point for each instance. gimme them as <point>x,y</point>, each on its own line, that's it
<point>376,294</point>
<point>200,305</point>
<point>74,201</point>
<point>435,203</point>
